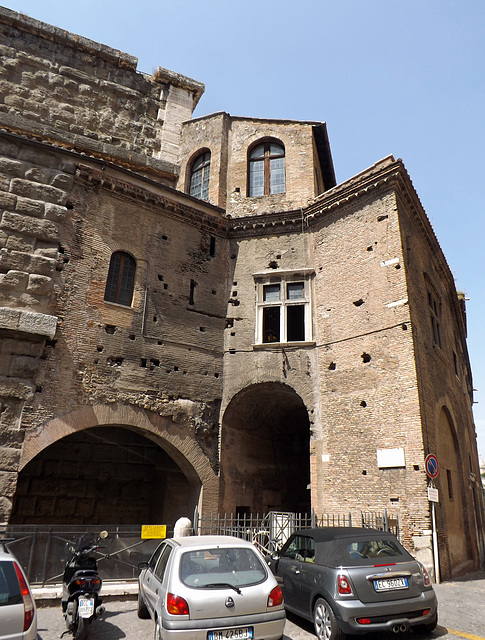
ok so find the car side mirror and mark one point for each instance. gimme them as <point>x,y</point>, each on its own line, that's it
<point>142,565</point>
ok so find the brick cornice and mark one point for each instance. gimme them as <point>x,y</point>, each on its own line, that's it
<point>174,203</point>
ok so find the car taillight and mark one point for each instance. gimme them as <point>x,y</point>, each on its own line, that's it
<point>80,583</point>
<point>177,605</point>
<point>363,620</point>
<point>426,578</point>
<point>275,597</point>
<point>26,597</point>
<point>343,585</point>
<point>95,582</point>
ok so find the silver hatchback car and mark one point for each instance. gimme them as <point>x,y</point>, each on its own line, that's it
<point>210,588</point>
<point>18,619</point>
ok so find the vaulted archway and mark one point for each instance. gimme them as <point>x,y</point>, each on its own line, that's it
<point>103,475</point>
<point>265,460</point>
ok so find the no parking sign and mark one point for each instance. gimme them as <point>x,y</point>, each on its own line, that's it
<point>432,466</point>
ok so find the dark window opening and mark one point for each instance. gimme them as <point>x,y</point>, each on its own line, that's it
<point>295,316</point>
<point>212,247</point>
<point>271,324</point>
<point>193,284</point>
<point>449,481</point>
<point>121,279</point>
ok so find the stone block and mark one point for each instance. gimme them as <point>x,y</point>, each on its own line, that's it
<point>38,191</point>
<point>43,229</point>
<point>20,243</point>
<point>37,323</point>
<point>5,509</point>
<point>12,167</point>
<point>39,285</point>
<point>14,280</point>
<point>8,482</point>
<point>30,207</point>
<point>8,201</point>
<point>9,459</point>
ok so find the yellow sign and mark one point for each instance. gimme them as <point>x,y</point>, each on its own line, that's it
<point>153,531</point>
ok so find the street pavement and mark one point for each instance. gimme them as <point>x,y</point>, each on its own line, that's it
<point>461,613</point>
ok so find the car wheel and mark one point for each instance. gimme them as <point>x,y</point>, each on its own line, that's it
<point>158,631</point>
<point>325,622</point>
<point>82,629</point>
<point>142,610</point>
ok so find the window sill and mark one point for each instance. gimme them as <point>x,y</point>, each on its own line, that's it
<point>282,345</point>
<point>118,305</point>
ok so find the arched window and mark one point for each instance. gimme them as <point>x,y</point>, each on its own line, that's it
<point>121,279</point>
<point>266,169</point>
<point>199,176</point>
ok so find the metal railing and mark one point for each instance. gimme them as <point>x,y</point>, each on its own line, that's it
<point>44,549</point>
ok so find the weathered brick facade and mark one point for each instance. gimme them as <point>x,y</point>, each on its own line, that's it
<point>191,395</point>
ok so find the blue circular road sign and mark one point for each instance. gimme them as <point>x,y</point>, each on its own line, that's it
<point>432,466</point>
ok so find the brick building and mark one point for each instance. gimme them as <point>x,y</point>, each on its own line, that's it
<point>193,313</point>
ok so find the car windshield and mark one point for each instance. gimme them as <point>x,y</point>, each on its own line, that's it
<point>9,586</point>
<point>221,568</point>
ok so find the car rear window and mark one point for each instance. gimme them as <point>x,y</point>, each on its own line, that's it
<point>372,551</point>
<point>9,585</point>
<point>215,568</point>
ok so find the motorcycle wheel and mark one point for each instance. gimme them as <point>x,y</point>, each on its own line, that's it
<point>82,629</point>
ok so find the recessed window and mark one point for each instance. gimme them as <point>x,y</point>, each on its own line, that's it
<point>121,279</point>
<point>435,315</point>
<point>199,176</point>
<point>266,169</point>
<point>283,309</point>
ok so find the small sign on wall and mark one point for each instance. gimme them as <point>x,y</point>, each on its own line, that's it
<point>390,458</point>
<point>153,531</point>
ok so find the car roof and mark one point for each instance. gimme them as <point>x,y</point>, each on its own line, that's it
<point>211,541</point>
<point>326,534</point>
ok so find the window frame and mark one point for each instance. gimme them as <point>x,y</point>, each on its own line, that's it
<point>265,160</point>
<point>116,282</point>
<point>204,171</point>
<point>283,278</point>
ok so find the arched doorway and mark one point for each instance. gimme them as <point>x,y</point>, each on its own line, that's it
<point>265,459</point>
<point>103,475</point>
<point>452,496</point>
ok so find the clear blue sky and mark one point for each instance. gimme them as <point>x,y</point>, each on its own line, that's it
<point>402,78</point>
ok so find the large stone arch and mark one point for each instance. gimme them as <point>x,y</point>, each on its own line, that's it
<point>169,443</point>
<point>265,457</point>
<point>452,510</point>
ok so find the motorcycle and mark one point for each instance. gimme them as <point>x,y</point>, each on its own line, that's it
<point>81,585</point>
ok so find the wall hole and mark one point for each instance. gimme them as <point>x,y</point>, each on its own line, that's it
<point>370,248</point>
<point>110,329</point>
<point>273,264</point>
<point>416,467</point>
<point>132,336</point>
<point>358,303</point>
<point>100,349</point>
<point>365,357</point>
<point>363,403</point>
<point>143,362</point>
<point>160,278</point>
<point>404,326</point>
<point>155,362</point>
<point>332,366</point>
<point>381,218</point>
<point>364,472</point>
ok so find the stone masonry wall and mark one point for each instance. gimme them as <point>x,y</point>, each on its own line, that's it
<point>79,94</point>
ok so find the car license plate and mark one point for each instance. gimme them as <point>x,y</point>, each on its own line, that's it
<point>389,584</point>
<point>86,607</point>
<point>243,633</point>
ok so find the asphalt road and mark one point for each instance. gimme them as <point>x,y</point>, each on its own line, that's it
<point>461,614</point>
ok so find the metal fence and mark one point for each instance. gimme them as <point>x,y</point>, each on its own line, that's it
<point>270,531</point>
<point>43,550</point>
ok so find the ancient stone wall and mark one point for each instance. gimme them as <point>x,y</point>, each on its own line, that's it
<point>82,95</point>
